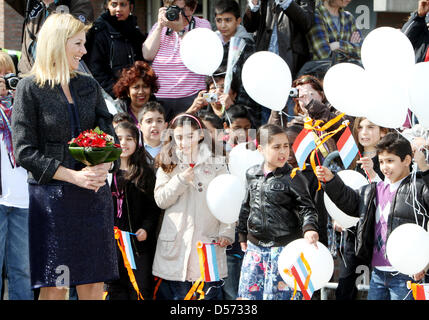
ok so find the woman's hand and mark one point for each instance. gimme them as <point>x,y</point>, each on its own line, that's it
<point>162,19</point>
<point>93,177</point>
<point>141,234</point>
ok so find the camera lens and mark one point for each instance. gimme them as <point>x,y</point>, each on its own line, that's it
<point>11,81</point>
<point>172,13</point>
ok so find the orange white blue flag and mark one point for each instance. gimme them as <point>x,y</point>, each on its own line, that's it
<point>347,147</point>
<point>211,271</point>
<point>126,244</point>
<point>420,290</point>
<point>303,145</point>
<point>301,272</point>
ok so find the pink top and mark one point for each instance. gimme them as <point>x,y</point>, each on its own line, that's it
<point>175,80</point>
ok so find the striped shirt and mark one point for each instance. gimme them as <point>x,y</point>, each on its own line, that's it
<point>175,80</point>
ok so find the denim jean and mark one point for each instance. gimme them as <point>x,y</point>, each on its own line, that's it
<point>386,285</point>
<point>230,288</point>
<point>14,252</point>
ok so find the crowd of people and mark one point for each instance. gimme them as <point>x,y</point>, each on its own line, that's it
<point>61,220</point>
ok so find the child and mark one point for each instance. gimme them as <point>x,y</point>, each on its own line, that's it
<point>237,124</point>
<point>381,207</point>
<point>14,201</point>
<point>277,210</point>
<point>367,135</point>
<point>135,212</point>
<point>186,166</point>
<point>121,116</point>
<point>228,24</point>
<point>152,124</point>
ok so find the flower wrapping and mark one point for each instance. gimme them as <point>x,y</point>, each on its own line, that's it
<point>93,147</point>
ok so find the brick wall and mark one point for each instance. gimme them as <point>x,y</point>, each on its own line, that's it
<point>10,27</point>
<point>11,22</point>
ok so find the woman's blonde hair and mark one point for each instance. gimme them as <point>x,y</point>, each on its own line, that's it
<point>6,62</point>
<point>51,63</point>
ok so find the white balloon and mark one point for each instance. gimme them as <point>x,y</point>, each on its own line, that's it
<point>418,91</point>
<point>319,259</point>
<point>340,85</point>
<point>201,51</point>
<point>225,193</point>
<point>386,99</point>
<point>241,159</point>
<point>354,180</point>
<point>387,50</point>
<point>407,248</point>
<point>267,79</point>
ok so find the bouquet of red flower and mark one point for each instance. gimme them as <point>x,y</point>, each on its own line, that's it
<point>93,147</point>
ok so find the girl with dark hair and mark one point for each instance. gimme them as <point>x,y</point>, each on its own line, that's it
<point>135,212</point>
<point>187,164</point>
<point>136,86</point>
<point>113,43</point>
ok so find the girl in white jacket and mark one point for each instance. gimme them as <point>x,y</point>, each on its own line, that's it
<point>186,165</point>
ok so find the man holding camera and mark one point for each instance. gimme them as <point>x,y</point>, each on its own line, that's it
<point>178,85</point>
<point>35,13</point>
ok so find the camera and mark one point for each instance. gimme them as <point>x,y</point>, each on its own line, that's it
<point>11,80</point>
<point>172,12</point>
<point>210,97</point>
<point>293,93</point>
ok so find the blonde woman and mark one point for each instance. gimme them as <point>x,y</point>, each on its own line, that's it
<point>70,205</point>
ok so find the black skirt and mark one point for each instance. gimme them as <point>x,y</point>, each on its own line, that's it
<point>71,235</point>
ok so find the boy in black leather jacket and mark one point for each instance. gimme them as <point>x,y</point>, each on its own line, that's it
<point>277,210</point>
<point>381,207</point>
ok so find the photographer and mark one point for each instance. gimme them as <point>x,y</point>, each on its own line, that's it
<point>178,85</point>
<point>35,13</point>
<point>14,252</point>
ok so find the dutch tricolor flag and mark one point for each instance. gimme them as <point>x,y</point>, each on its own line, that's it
<point>126,244</point>
<point>211,272</point>
<point>347,147</point>
<point>303,145</point>
<point>302,276</point>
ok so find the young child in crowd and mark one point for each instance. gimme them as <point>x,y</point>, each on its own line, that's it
<point>135,212</point>
<point>366,135</point>
<point>228,23</point>
<point>121,116</point>
<point>186,165</point>
<point>152,124</point>
<point>381,207</point>
<point>237,123</point>
<point>277,210</point>
<point>14,246</point>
